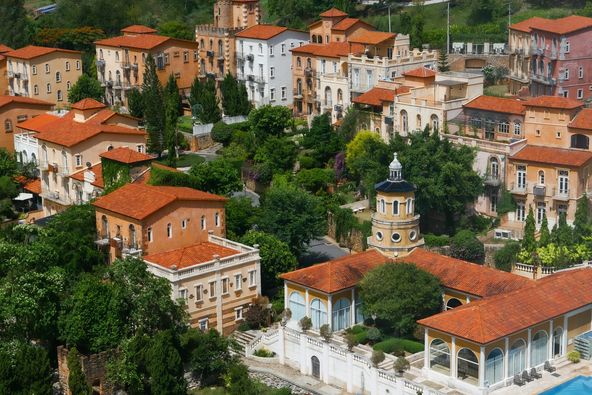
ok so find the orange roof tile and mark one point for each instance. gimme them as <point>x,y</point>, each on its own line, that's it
<point>420,72</point>
<point>139,201</point>
<point>139,29</point>
<point>97,169</point>
<point>496,104</point>
<point>33,186</point>
<point>375,96</point>
<point>190,256</point>
<point>583,120</point>
<point>88,104</point>
<point>4,100</point>
<point>526,25</point>
<point>487,320</point>
<point>553,156</point>
<point>141,41</point>
<point>331,50</point>
<point>261,32</point>
<point>32,51</point>
<point>125,155</point>
<point>569,24</point>
<point>4,48</point>
<point>332,13</point>
<point>370,37</point>
<point>347,23</point>
<point>554,102</point>
<point>466,277</point>
<point>337,274</point>
<point>36,123</point>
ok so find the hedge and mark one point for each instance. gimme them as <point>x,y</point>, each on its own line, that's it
<point>436,241</point>
<point>395,344</point>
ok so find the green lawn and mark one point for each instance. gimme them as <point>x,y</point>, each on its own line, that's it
<point>496,90</point>
<point>186,160</point>
<point>185,124</point>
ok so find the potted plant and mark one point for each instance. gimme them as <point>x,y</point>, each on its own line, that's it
<point>377,357</point>
<point>326,332</point>
<point>401,365</point>
<point>351,341</point>
<point>305,323</point>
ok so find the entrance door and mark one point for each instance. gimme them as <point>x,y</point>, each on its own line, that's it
<point>316,367</point>
<point>557,343</point>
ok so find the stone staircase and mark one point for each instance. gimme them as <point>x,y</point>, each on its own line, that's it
<point>387,365</point>
<point>243,339</point>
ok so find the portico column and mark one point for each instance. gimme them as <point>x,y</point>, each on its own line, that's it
<point>307,308</point>
<point>426,347</point>
<point>482,367</point>
<point>551,341</point>
<point>350,372</point>
<point>506,357</point>
<point>353,307</point>
<point>330,311</point>
<point>285,295</point>
<point>528,348</point>
<point>565,334</point>
<point>453,358</point>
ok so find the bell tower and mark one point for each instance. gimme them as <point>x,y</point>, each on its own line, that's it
<point>395,227</point>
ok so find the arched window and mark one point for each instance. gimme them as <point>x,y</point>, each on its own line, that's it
<point>517,357</point>
<point>217,219</point>
<point>202,44</point>
<point>117,56</point>
<point>339,97</point>
<point>297,306</point>
<point>409,207</point>
<point>440,356</point>
<point>260,48</point>
<point>118,77</point>
<point>328,98</point>
<point>299,86</point>
<point>418,121</point>
<point>435,123</point>
<point>453,303</point>
<point>203,222</point>
<point>467,366</point>
<point>395,207</point>
<point>557,342</point>
<point>24,157</point>
<point>211,44</point>
<point>517,128</point>
<point>169,230</point>
<point>104,227</point>
<point>60,96</point>
<point>58,76</point>
<point>580,141</point>
<point>132,236</point>
<point>316,367</point>
<point>341,315</point>
<point>320,39</point>
<point>318,313</point>
<point>220,48</point>
<point>309,63</point>
<point>382,206</point>
<point>298,62</point>
<point>494,367</point>
<point>314,38</point>
<point>541,177</point>
<point>33,158</point>
<point>404,122</point>
<point>538,348</point>
<point>101,54</point>
<point>494,168</point>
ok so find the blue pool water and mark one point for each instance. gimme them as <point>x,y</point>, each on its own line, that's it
<point>580,385</point>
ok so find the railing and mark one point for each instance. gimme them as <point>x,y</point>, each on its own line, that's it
<point>561,194</point>
<point>519,188</point>
<point>524,268</point>
<point>493,180</point>
<point>297,93</point>
<point>543,79</point>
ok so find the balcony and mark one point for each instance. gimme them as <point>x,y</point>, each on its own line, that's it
<point>492,180</point>
<point>101,63</point>
<point>210,54</point>
<point>126,65</point>
<point>251,57</point>
<point>539,191</point>
<point>519,189</point>
<point>561,194</point>
<point>308,72</point>
<point>297,94</point>
<point>103,239</point>
<point>10,74</point>
<point>547,80</point>
<point>327,105</point>
<point>338,108</point>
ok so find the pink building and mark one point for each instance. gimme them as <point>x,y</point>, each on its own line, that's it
<point>561,57</point>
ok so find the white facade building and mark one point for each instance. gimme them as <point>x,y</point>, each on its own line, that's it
<point>264,63</point>
<point>26,144</point>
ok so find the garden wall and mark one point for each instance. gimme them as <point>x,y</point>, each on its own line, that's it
<point>356,240</point>
<point>94,367</point>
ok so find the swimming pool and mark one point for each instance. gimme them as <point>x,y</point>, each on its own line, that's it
<point>581,385</point>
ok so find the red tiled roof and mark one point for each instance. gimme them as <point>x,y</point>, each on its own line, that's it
<point>337,274</point>
<point>4,48</point>
<point>261,32</point>
<point>138,201</point>
<point>370,37</point>
<point>553,156</point>
<point>496,104</point>
<point>141,41</point>
<point>331,50</point>
<point>583,120</point>
<point>139,29</point>
<point>4,100</point>
<point>33,186</point>
<point>125,155</point>
<point>347,23</point>
<point>88,104</point>
<point>97,169</point>
<point>36,123</point>
<point>554,102</point>
<point>466,277</point>
<point>569,24</point>
<point>526,25</point>
<point>332,13</point>
<point>32,51</point>
<point>420,72</point>
<point>487,320</point>
<point>190,256</point>
<point>375,96</point>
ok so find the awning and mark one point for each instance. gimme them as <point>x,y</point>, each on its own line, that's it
<point>23,196</point>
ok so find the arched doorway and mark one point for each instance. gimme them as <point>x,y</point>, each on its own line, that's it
<point>539,349</point>
<point>316,367</point>
<point>453,303</point>
<point>297,306</point>
<point>494,366</point>
<point>517,357</point>
<point>341,315</point>
<point>557,342</point>
<point>468,366</point>
<point>404,122</point>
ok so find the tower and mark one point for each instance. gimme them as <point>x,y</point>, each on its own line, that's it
<point>395,227</point>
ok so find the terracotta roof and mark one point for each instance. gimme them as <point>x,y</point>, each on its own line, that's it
<point>190,256</point>
<point>345,24</point>
<point>32,51</point>
<point>375,96</point>
<point>526,25</point>
<point>141,41</point>
<point>261,32</point>
<point>331,50</point>
<point>138,201</point>
<point>4,48</point>
<point>67,132</point>
<point>4,100</point>
<point>496,104</point>
<point>33,186</point>
<point>583,120</point>
<point>420,72</point>
<point>554,102</point>
<point>332,13</point>
<point>487,320</point>
<point>569,24</point>
<point>139,29</point>
<point>553,156</point>
<point>466,277</point>
<point>97,169</point>
<point>125,155</point>
<point>88,104</point>
<point>370,37</point>
<point>337,274</point>
<point>36,123</point>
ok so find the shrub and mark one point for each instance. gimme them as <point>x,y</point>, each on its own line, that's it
<point>465,245</point>
<point>357,329</point>
<point>305,323</point>
<point>374,334</point>
<point>306,162</point>
<point>243,327</point>
<point>350,340</point>
<point>505,257</point>
<point>377,357</point>
<point>395,345</point>
<point>401,364</point>
<point>222,133</point>
<point>257,316</point>
<point>264,353</point>
<point>362,337</point>
<point>573,356</point>
<point>326,332</point>
<point>432,240</point>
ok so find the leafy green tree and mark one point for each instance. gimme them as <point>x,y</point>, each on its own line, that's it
<point>315,180</point>
<point>172,109</point>
<point>222,133</point>
<point>292,215</point>
<point>85,87</point>
<point>545,235</point>
<point>76,379</point>
<point>8,164</point>
<point>241,216</point>
<point>219,176</point>
<point>164,365</point>
<point>154,114</point>
<point>235,100</point>
<point>582,218</point>
<point>400,294</point>
<point>349,124</point>
<point>176,29</point>
<point>135,103</point>
<point>322,139</point>
<point>14,25</point>
<point>269,121</point>
<point>24,369</point>
<point>127,370</point>
<point>505,257</point>
<point>207,355</point>
<point>483,11</point>
<point>276,258</point>
<point>466,246</point>
<point>204,102</point>
<point>275,155</point>
<point>528,240</point>
<point>563,234</point>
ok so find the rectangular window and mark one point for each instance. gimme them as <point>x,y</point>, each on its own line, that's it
<point>225,285</point>
<point>185,56</point>
<point>272,72</point>
<point>67,66</point>
<point>356,81</point>
<point>541,209</point>
<point>183,294</point>
<point>46,68</point>
<point>562,209</point>
<point>369,78</point>
<point>272,94</point>
<point>140,148</point>
<point>520,211</point>
<point>580,93</point>
<point>566,74</point>
<point>48,88</point>
<point>78,159</point>
<point>35,89</point>
<point>252,278</point>
<point>567,47</point>
<point>149,235</point>
<point>203,324</point>
<point>169,231</point>
<point>212,289</point>
<point>565,94</point>
<point>581,72</point>
<point>284,93</point>
<point>78,65</point>
<point>238,314</point>
<point>198,293</point>
<point>238,282</point>
<point>271,50</point>
<point>323,66</point>
<point>493,202</point>
<point>521,177</point>
<point>195,55</point>
<point>34,70</point>
<point>563,182</point>
<point>184,224</point>
<point>283,49</point>
<point>517,128</point>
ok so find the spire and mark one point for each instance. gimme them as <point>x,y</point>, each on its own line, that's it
<point>395,169</point>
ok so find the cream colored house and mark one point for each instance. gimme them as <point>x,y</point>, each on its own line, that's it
<point>43,73</point>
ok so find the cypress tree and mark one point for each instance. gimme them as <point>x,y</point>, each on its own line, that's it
<point>443,65</point>
<point>235,100</point>
<point>545,236</point>
<point>172,101</point>
<point>76,379</point>
<point>204,102</point>
<point>563,234</point>
<point>582,218</point>
<point>528,240</point>
<point>164,365</point>
<point>152,95</point>
<point>135,103</point>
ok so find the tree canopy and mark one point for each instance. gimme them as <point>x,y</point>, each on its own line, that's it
<point>154,115</point>
<point>269,121</point>
<point>219,176</point>
<point>86,87</point>
<point>235,100</point>
<point>205,104</point>
<point>322,139</point>
<point>15,29</point>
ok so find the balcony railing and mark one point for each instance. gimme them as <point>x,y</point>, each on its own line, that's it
<point>539,190</point>
<point>493,180</point>
<point>297,94</point>
<point>519,189</point>
<point>543,79</point>
<point>561,194</point>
